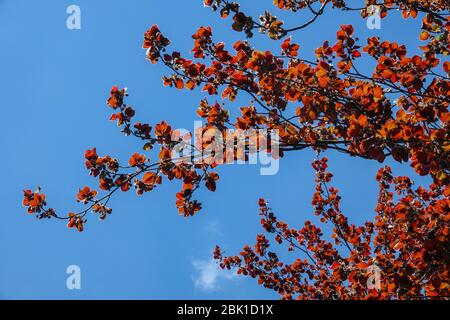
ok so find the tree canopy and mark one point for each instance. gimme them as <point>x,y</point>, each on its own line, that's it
<point>398,111</point>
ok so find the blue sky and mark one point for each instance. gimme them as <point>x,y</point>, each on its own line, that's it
<point>55,82</point>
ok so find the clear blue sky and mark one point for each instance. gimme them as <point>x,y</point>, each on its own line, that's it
<point>55,82</point>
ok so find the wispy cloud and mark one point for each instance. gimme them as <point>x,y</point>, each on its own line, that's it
<point>213,229</point>
<point>208,275</point>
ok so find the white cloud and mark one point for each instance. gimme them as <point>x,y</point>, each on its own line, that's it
<point>209,274</point>
<point>213,229</point>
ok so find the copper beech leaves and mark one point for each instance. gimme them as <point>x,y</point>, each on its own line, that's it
<point>290,50</point>
<point>211,179</point>
<point>408,241</point>
<point>86,194</point>
<point>139,172</point>
<point>397,111</point>
<point>35,201</point>
<point>399,103</point>
<point>434,16</point>
<point>76,221</point>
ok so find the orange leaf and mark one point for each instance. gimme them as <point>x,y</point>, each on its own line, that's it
<point>424,35</point>
<point>447,66</point>
<point>362,265</point>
